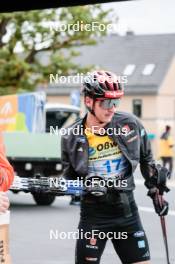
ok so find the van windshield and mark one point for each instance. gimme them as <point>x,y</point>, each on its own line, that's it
<point>59,119</point>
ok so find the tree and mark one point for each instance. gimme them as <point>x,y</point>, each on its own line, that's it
<point>25,35</point>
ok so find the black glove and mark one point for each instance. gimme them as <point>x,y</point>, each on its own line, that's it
<point>157,178</point>
<point>160,205</point>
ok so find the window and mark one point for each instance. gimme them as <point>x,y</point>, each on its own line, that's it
<point>59,119</point>
<point>148,69</point>
<point>137,107</point>
<point>129,69</point>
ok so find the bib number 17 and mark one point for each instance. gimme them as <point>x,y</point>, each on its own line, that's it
<point>111,163</point>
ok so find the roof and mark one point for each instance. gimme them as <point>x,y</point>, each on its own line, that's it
<point>61,89</point>
<point>58,106</point>
<point>115,52</point>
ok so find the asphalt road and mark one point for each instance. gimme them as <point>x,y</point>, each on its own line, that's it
<point>31,227</point>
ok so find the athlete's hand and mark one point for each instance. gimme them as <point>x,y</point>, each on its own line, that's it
<point>160,205</point>
<point>4,202</point>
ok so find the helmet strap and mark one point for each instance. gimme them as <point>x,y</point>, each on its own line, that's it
<point>91,110</point>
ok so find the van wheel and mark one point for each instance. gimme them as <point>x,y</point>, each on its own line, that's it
<point>43,198</point>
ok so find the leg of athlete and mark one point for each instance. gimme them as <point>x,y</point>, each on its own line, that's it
<point>133,247</point>
<point>89,248</point>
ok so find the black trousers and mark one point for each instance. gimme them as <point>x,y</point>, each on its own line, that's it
<point>168,161</point>
<point>131,247</point>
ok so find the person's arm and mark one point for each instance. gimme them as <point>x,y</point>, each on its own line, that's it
<point>148,170</point>
<point>68,171</point>
<point>6,170</point>
<point>170,142</point>
<point>4,202</point>
<point>147,161</point>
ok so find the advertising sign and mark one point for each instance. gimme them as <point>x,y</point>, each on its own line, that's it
<point>23,112</point>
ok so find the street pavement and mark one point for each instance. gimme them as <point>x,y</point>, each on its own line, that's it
<point>31,228</point>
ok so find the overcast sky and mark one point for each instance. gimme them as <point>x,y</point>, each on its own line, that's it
<point>145,16</point>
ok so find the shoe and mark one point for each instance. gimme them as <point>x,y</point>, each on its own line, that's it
<point>75,200</point>
<point>74,203</point>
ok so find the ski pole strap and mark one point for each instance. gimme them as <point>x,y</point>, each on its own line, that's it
<point>160,205</point>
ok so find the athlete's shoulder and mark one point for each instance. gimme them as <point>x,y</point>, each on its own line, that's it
<point>125,116</point>
<point>72,130</point>
<point>78,122</point>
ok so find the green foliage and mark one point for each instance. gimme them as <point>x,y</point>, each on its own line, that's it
<point>26,35</point>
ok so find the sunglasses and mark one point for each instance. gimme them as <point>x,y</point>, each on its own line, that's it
<point>109,103</point>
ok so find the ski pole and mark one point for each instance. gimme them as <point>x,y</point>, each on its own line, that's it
<point>164,231</point>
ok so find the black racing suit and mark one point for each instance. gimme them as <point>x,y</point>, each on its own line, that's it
<point>117,211</point>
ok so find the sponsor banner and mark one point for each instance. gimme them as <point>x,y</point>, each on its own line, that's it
<point>23,112</point>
